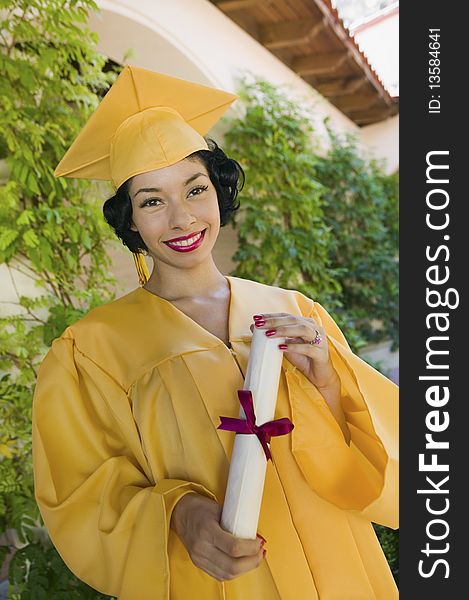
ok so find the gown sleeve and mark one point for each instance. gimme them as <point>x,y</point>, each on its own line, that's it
<point>361,476</point>
<point>105,515</point>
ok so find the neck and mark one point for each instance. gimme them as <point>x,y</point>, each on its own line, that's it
<point>172,283</point>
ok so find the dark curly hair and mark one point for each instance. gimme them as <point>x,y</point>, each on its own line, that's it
<point>226,175</point>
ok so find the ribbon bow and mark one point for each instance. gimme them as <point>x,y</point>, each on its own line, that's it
<point>264,432</point>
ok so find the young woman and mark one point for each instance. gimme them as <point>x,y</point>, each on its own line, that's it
<point>130,469</point>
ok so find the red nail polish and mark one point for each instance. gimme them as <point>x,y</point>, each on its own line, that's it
<point>260,323</point>
<point>270,332</point>
<point>256,317</point>
<point>283,346</point>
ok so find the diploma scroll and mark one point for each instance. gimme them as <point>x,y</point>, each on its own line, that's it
<point>246,477</point>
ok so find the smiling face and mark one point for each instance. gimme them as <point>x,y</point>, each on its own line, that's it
<point>176,202</point>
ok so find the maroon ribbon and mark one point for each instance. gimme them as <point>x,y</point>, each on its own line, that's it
<point>264,432</point>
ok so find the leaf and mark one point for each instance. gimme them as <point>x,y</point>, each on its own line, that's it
<point>7,237</point>
<point>85,239</point>
<point>6,451</point>
<point>25,218</point>
<point>30,238</point>
<point>32,183</point>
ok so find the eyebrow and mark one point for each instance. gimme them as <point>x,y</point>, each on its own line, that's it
<point>153,189</point>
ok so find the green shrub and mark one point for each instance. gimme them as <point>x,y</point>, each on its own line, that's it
<point>361,210</point>
<point>53,233</point>
<point>322,221</point>
<point>283,237</point>
<point>389,540</point>
<point>40,574</point>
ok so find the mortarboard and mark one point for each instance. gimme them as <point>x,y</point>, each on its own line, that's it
<point>146,121</point>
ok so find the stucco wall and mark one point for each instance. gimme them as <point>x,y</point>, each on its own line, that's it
<point>383,139</point>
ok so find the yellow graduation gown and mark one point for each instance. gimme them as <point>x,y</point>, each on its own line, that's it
<point>124,424</point>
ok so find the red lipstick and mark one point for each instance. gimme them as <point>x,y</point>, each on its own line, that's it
<point>175,243</point>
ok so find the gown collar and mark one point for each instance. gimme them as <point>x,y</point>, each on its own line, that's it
<point>184,334</point>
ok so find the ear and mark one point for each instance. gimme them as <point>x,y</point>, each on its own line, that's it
<point>132,226</point>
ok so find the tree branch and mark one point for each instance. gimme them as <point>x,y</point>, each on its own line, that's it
<point>26,308</point>
<point>19,362</point>
<point>16,259</point>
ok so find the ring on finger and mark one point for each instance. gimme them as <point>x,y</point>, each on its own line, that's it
<point>317,339</point>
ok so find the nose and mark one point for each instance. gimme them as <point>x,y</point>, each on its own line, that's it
<point>181,216</point>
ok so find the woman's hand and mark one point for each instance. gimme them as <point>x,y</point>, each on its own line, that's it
<point>195,519</point>
<point>312,359</point>
<point>307,349</point>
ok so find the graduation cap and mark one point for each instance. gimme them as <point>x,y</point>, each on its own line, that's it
<point>146,121</point>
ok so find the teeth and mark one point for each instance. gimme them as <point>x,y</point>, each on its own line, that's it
<point>188,242</point>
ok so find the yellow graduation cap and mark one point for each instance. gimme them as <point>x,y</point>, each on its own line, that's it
<point>146,121</point>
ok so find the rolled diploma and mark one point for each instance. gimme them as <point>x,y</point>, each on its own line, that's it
<point>246,477</point>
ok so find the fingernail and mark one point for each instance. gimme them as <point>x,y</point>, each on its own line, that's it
<point>283,346</point>
<point>256,317</point>
<point>264,552</point>
<point>270,332</point>
<point>260,323</point>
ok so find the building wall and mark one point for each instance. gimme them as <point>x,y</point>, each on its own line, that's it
<point>383,140</point>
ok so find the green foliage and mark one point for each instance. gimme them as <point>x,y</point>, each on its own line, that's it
<point>51,231</point>
<point>361,209</point>
<point>38,573</point>
<point>283,237</point>
<point>389,540</point>
<point>17,506</point>
<point>320,221</point>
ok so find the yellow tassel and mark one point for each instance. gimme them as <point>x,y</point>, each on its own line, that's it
<point>141,266</point>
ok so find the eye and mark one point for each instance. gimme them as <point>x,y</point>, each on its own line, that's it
<point>199,189</point>
<point>150,202</point>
